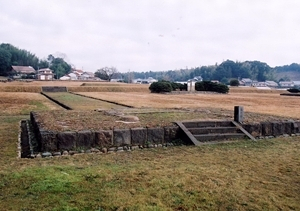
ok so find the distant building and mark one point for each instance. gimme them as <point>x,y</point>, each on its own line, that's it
<point>196,79</point>
<point>296,83</point>
<point>144,81</point>
<point>116,80</point>
<point>79,75</point>
<point>246,82</point>
<point>271,84</point>
<point>45,74</point>
<point>23,72</point>
<point>23,69</point>
<point>65,78</point>
<point>73,76</point>
<point>258,84</point>
<point>286,84</point>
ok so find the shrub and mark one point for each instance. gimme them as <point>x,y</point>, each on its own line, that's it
<point>234,82</point>
<point>183,87</point>
<point>160,86</point>
<point>293,90</point>
<point>211,87</point>
<point>176,86</point>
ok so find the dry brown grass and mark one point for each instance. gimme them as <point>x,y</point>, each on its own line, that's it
<point>73,86</point>
<point>41,83</point>
<point>262,103</point>
<point>15,103</point>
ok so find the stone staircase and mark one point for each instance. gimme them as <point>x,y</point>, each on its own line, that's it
<point>210,132</point>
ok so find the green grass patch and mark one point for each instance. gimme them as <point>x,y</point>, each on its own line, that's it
<point>33,106</point>
<point>236,176</point>
<point>77,102</point>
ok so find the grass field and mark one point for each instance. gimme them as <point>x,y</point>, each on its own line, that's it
<point>261,103</point>
<point>246,175</point>
<point>79,103</point>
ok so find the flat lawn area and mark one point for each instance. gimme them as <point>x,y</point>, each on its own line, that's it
<point>245,175</point>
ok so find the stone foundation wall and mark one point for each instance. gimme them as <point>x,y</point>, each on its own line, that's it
<point>54,89</point>
<point>51,141</point>
<point>119,139</point>
<point>274,129</point>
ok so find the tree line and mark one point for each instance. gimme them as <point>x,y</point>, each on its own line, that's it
<point>224,72</point>
<point>13,56</point>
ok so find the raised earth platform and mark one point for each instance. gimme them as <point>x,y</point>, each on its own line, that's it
<point>37,139</point>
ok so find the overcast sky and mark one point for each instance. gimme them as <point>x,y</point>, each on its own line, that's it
<point>143,35</point>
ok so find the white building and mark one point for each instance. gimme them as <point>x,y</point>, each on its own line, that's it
<point>144,81</point>
<point>286,84</point>
<point>45,74</point>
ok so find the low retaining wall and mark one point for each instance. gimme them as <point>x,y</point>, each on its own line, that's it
<point>56,143</point>
<point>52,141</point>
<point>266,129</point>
<point>54,89</point>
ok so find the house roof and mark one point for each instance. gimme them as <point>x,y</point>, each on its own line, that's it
<point>23,69</point>
<point>45,71</point>
<point>65,77</point>
<point>271,83</point>
<point>79,71</point>
<point>296,83</point>
<point>91,74</point>
<point>72,75</point>
<point>286,82</point>
<point>247,80</point>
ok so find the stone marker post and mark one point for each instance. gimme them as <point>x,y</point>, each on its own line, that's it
<point>239,114</point>
<point>191,86</point>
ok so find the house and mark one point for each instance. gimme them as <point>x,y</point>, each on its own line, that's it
<point>271,84</point>
<point>78,72</point>
<point>78,75</point>
<point>45,74</point>
<point>86,76</point>
<point>144,81</point>
<point>65,78</point>
<point>246,82</point>
<point>150,80</point>
<point>258,84</point>
<point>296,83</point>
<point>137,81</point>
<point>196,79</point>
<point>286,84</point>
<point>73,76</point>
<point>23,71</point>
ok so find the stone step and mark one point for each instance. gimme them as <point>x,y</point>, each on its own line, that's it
<point>209,130</point>
<point>213,137</point>
<point>197,124</point>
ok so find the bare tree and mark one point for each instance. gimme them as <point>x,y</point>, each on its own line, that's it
<point>106,73</point>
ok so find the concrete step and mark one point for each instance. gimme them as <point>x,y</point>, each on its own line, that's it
<point>213,130</point>
<point>197,124</point>
<point>214,137</point>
